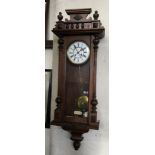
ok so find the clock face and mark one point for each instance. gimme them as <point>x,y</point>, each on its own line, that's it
<point>78,52</point>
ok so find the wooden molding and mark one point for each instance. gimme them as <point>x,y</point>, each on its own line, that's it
<point>78,11</point>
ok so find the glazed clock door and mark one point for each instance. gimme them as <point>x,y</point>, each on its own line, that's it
<point>77,78</point>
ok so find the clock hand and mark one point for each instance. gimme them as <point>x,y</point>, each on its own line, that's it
<point>82,49</point>
<point>76,50</point>
<point>81,55</point>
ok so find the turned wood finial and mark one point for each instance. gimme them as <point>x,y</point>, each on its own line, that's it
<point>94,104</point>
<point>96,42</point>
<point>60,17</point>
<point>76,138</point>
<point>58,101</point>
<point>96,15</point>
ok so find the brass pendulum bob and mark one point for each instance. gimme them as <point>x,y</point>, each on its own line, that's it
<point>83,104</point>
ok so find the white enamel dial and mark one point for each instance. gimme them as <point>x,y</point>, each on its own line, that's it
<point>78,52</point>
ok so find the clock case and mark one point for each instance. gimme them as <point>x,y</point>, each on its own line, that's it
<point>90,31</point>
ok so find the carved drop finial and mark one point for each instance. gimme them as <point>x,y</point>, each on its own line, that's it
<point>96,15</point>
<point>94,104</point>
<point>77,138</point>
<point>96,42</point>
<point>61,42</point>
<point>60,17</point>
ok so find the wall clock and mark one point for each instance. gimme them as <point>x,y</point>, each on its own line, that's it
<point>78,42</point>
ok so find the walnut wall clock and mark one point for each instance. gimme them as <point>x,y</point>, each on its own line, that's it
<point>76,101</point>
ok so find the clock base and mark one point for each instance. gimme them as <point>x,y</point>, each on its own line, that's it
<point>76,130</point>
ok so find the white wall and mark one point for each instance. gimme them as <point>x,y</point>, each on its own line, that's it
<point>48,58</point>
<point>95,141</point>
